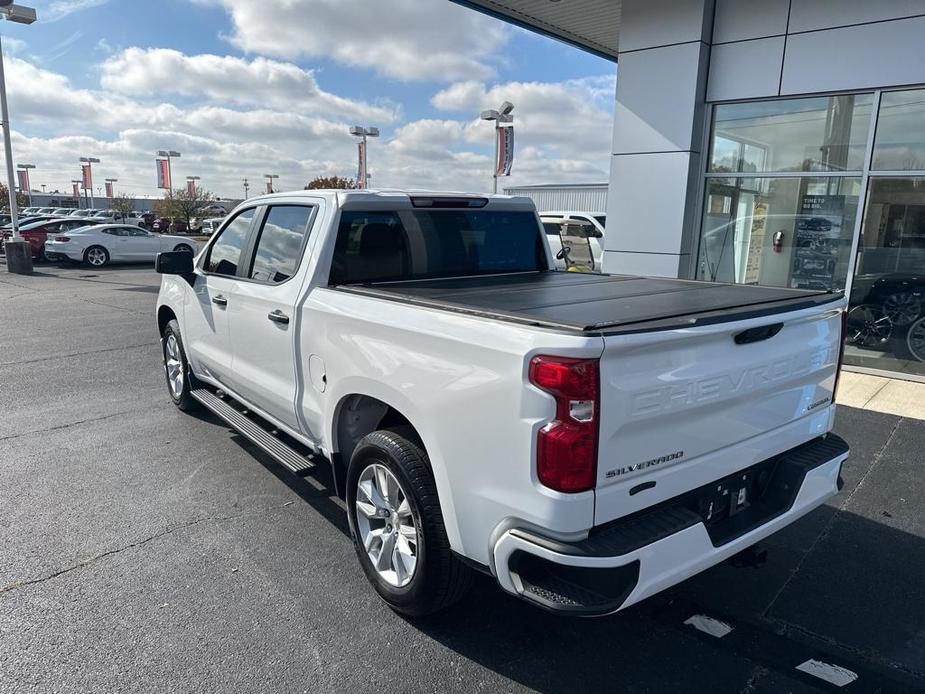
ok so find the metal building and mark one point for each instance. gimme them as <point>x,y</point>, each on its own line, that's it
<point>583,197</point>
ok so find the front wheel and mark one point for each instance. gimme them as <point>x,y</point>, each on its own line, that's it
<point>397,525</point>
<point>176,369</point>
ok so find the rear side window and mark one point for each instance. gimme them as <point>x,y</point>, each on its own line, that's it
<point>419,244</point>
<point>225,253</point>
<point>279,248</point>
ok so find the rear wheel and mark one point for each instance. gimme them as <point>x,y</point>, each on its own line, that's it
<point>397,525</point>
<point>176,369</point>
<point>97,256</point>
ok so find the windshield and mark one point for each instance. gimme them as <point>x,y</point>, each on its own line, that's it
<point>418,244</point>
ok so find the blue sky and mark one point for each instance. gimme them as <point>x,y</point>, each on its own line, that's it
<point>239,86</point>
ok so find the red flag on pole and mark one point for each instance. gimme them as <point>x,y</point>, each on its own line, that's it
<point>361,167</point>
<point>191,187</point>
<point>163,178</point>
<point>23,175</point>
<point>505,151</point>
<point>87,176</point>
<point>109,189</point>
<point>77,190</point>
<point>269,186</point>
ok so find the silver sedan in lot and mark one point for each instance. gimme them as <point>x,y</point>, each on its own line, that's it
<point>104,243</point>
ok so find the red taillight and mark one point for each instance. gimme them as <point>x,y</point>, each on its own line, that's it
<point>566,448</point>
<point>841,351</point>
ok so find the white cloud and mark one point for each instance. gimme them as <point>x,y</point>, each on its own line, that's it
<point>403,39</point>
<point>141,72</point>
<point>13,46</point>
<point>59,9</point>
<point>563,131</point>
<point>572,118</point>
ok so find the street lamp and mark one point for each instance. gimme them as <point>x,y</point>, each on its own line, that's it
<point>26,167</point>
<point>110,190</point>
<point>270,178</point>
<point>247,187</point>
<point>191,184</point>
<point>88,179</point>
<point>18,251</point>
<point>502,115</point>
<point>77,182</point>
<point>362,170</point>
<point>169,154</point>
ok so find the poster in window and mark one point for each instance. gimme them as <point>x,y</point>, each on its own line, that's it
<point>817,241</point>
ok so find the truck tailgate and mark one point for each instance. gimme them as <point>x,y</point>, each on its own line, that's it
<point>679,406</point>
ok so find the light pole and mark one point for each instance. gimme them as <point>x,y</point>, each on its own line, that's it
<point>191,184</point>
<point>88,179</point>
<point>270,178</point>
<point>18,251</point>
<point>110,189</point>
<point>26,167</point>
<point>77,183</point>
<point>502,115</point>
<point>246,188</point>
<point>362,169</point>
<point>169,154</point>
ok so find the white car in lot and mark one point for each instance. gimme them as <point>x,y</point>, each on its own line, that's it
<point>104,243</point>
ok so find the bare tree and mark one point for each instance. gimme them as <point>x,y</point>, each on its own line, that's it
<point>331,183</point>
<point>122,204</point>
<point>22,200</point>
<point>184,205</point>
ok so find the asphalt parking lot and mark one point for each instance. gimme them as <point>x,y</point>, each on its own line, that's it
<point>142,549</point>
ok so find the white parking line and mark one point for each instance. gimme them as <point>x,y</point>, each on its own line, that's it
<point>833,674</point>
<point>708,625</point>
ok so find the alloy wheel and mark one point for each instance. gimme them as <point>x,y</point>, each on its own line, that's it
<point>96,257</point>
<point>386,526</point>
<point>173,362</point>
<point>902,307</point>
<point>868,326</point>
<point>915,339</point>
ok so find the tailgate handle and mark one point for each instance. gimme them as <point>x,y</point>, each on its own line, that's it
<point>765,332</point>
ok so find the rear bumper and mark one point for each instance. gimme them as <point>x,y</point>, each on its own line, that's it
<point>631,559</point>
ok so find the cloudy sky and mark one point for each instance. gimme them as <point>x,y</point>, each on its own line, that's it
<point>247,87</point>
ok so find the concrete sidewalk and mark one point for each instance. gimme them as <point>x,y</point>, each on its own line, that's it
<point>878,394</point>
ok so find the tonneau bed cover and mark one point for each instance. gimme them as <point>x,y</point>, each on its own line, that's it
<point>594,303</point>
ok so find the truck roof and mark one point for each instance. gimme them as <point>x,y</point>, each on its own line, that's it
<point>396,197</point>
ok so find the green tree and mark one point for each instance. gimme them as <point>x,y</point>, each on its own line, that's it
<point>331,183</point>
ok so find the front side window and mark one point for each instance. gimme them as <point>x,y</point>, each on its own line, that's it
<point>279,248</point>
<point>826,133</point>
<point>225,254</point>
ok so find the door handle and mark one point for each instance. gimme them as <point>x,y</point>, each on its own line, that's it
<point>219,300</point>
<point>278,316</point>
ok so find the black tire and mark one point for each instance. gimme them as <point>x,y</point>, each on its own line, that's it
<point>93,250</point>
<point>183,247</point>
<point>182,399</point>
<point>440,578</point>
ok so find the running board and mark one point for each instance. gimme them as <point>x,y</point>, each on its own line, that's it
<point>280,451</point>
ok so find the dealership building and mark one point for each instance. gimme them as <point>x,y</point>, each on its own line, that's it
<point>779,142</point>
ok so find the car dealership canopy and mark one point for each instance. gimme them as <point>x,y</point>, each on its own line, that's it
<point>590,24</point>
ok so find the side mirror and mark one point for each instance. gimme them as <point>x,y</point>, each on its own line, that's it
<point>174,263</point>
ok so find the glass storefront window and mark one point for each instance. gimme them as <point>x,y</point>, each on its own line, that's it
<point>886,317</point>
<point>900,141</point>
<point>827,133</point>
<point>781,232</point>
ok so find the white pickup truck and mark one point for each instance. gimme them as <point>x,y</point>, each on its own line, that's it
<point>586,439</point>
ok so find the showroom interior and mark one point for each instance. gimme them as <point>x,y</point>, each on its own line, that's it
<point>779,143</point>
